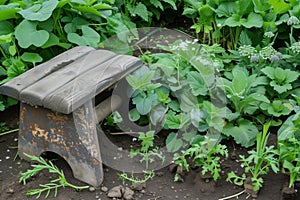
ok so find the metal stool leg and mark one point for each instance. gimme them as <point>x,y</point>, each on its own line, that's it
<point>73,137</point>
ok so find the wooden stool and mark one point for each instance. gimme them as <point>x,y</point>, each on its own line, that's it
<point>57,106</point>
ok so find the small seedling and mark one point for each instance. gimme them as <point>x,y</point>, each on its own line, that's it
<point>257,163</point>
<point>145,152</point>
<point>133,180</point>
<point>53,185</point>
<point>204,155</point>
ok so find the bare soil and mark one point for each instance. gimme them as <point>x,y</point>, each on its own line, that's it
<point>162,186</point>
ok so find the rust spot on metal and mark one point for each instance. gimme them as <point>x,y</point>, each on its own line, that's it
<point>22,112</point>
<point>38,132</point>
<point>58,118</point>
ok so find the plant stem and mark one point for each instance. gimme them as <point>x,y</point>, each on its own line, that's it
<point>8,132</point>
<point>232,196</point>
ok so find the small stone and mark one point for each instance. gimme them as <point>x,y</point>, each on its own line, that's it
<point>143,191</point>
<point>128,194</point>
<point>92,189</point>
<point>10,191</point>
<point>104,189</point>
<point>115,192</point>
<point>172,187</point>
<point>7,157</point>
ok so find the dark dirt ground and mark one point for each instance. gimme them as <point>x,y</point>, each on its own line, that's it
<point>161,187</point>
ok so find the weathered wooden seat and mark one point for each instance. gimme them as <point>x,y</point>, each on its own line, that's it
<point>57,111</point>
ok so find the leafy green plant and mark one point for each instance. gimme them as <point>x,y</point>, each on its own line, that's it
<point>291,127</point>
<point>145,152</point>
<point>281,79</point>
<point>146,10</point>
<point>53,185</point>
<point>257,163</point>
<point>205,155</point>
<point>245,92</point>
<point>289,156</point>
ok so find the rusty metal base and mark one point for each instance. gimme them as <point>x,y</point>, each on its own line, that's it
<point>73,137</point>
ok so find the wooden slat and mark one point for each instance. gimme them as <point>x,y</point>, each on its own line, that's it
<point>16,85</point>
<point>82,89</point>
<point>35,93</point>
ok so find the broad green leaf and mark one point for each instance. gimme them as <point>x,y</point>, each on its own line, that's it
<point>75,24</point>
<point>197,84</point>
<point>269,71</point>
<point>187,101</point>
<point>39,12</point>
<point>134,115</point>
<point>281,88</point>
<point>233,21</point>
<point>157,114</point>
<point>31,57</point>
<point>206,12</point>
<point>253,20</point>
<point>190,136</point>
<point>196,117</point>
<point>173,121</point>
<point>291,75</point>
<point>8,11</point>
<point>89,37</point>
<point>139,10</point>
<point>86,9</point>
<point>5,38</point>
<point>288,129</point>
<point>27,34</point>
<point>225,9</point>
<point>12,50</point>
<point>257,97</point>
<point>144,104</point>
<point>280,75</point>
<point>6,27</point>
<point>140,82</point>
<point>205,67</point>
<point>173,143</point>
<point>52,41</point>
<point>279,6</point>
<point>244,133</point>
<point>189,12</point>
<point>261,6</point>
<point>239,81</point>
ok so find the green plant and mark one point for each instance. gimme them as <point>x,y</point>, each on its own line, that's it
<point>291,127</point>
<point>146,10</point>
<point>281,79</point>
<point>258,162</point>
<point>145,152</point>
<point>289,157</point>
<point>147,176</point>
<point>245,92</point>
<point>205,154</point>
<point>53,185</point>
